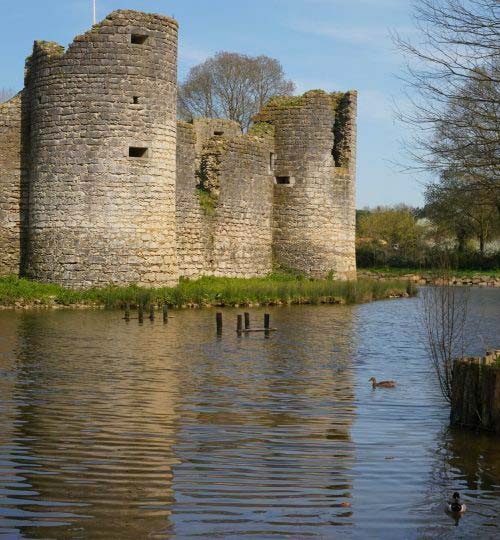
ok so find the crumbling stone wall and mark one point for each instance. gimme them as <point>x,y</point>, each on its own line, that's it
<point>194,226</point>
<point>314,197</point>
<point>10,185</point>
<point>206,128</point>
<point>224,201</point>
<point>89,193</point>
<point>243,214</point>
<point>97,214</point>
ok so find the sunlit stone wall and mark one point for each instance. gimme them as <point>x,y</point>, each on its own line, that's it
<point>224,200</point>
<point>10,185</point>
<point>111,189</point>
<point>314,193</point>
<point>102,163</point>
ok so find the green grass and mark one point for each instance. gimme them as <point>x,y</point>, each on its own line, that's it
<point>208,291</point>
<point>391,271</point>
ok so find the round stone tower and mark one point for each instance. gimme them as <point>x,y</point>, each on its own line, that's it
<point>102,155</point>
<point>314,194</point>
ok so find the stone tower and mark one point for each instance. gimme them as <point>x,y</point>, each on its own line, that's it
<point>102,145</point>
<point>314,166</point>
<point>99,184</point>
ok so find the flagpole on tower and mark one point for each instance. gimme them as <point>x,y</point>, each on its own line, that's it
<point>94,11</point>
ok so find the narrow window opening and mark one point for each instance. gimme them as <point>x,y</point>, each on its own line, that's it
<point>283,180</point>
<point>137,152</point>
<point>135,100</point>
<point>39,99</point>
<point>138,39</point>
<point>218,133</point>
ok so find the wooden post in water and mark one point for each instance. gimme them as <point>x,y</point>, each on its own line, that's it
<point>247,321</point>
<point>218,321</point>
<point>140,311</point>
<point>165,313</point>
<point>239,324</point>
<point>267,321</point>
<point>127,312</point>
<point>151,312</point>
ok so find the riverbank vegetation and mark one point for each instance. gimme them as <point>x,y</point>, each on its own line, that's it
<point>405,273</point>
<point>451,82</point>
<point>453,94</point>
<point>274,289</point>
<point>418,239</point>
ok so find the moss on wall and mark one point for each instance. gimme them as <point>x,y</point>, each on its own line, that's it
<point>262,129</point>
<point>208,201</point>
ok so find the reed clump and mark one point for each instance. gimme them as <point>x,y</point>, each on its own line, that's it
<point>274,289</point>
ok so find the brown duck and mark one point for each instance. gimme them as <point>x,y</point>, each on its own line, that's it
<point>382,384</point>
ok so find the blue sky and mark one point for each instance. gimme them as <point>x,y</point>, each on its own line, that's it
<point>329,44</point>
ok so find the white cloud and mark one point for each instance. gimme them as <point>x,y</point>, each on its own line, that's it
<point>361,3</point>
<point>349,34</point>
<point>359,35</point>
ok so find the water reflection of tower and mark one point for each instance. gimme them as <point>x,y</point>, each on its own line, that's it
<point>320,385</point>
<point>10,446</point>
<point>96,403</point>
<point>268,437</point>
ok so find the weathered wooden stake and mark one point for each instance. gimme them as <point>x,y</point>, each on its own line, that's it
<point>239,324</point>
<point>247,321</point>
<point>140,310</point>
<point>218,320</point>
<point>165,313</point>
<point>127,312</point>
<point>267,321</point>
<point>151,311</point>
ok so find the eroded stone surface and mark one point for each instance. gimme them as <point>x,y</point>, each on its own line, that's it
<point>10,185</point>
<point>99,183</point>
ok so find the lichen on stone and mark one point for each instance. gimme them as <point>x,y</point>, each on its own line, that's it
<point>261,129</point>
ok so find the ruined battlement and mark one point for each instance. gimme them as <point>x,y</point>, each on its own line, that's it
<point>101,184</point>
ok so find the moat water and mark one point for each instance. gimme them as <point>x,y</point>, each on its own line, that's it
<point>111,430</point>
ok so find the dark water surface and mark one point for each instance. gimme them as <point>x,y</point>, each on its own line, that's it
<point>111,430</point>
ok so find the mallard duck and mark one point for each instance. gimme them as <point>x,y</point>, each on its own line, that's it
<point>456,506</point>
<point>382,384</point>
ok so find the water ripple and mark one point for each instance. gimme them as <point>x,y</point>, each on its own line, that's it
<point>114,430</point>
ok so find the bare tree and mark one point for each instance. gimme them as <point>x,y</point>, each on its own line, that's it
<point>6,94</point>
<point>444,310</point>
<point>452,77</point>
<point>231,85</point>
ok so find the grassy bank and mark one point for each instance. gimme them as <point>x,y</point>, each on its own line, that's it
<point>399,272</point>
<point>207,291</point>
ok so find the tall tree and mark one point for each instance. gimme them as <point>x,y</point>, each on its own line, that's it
<point>453,76</point>
<point>455,213</point>
<point>396,226</point>
<point>231,85</point>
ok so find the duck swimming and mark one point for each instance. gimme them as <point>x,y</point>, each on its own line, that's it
<point>382,384</point>
<point>456,506</point>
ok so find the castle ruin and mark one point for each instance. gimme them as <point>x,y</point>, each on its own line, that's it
<point>99,182</point>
